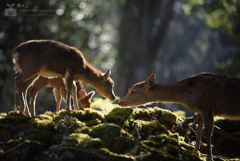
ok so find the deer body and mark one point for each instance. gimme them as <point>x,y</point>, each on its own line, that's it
<point>207,94</point>
<point>84,99</point>
<point>49,58</point>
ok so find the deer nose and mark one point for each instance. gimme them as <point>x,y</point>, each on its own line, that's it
<point>121,103</point>
<point>112,98</point>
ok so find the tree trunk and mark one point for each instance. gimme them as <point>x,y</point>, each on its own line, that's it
<point>142,28</point>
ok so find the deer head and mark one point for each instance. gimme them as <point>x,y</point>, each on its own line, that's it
<point>139,94</point>
<point>106,87</point>
<point>84,99</point>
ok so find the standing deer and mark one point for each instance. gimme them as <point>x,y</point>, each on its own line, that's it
<point>84,99</point>
<point>207,94</point>
<point>50,58</point>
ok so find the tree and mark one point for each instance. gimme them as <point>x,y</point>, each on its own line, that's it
<point>142,29</point>
<point>223,15</point>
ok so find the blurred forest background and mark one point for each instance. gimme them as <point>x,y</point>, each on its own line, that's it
<point>174,39</point>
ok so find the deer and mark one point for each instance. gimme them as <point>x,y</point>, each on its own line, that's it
<point>83,98</point>
<point>207,94</point>
<point>51,59</point>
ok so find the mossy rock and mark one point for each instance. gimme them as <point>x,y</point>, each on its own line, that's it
<point>109,132</point>
<point>91,135</point>
<point>43,135</point>
<point>94,117</point>
<point>180,113</point>
<point>119,115</point>
<point>79,114</point>
<point>7,132</point>
<point>167,117</point>
<point>82,140</point>
<point>72,124</point>
<point>72,154</point>
<point>147,128</point>
<point>143,114</point>
<point>42,120</point>
<point>28,150</point>
<point>15,118</point>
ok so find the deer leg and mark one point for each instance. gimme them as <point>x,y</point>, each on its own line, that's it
<point>19,81</point>
<point>38,85</point>
<point>58,98</point>
<point>208,121</point>
<point>25,87</point>
<point>63,93</point>
<point>199,133</point>
<point>74,96</point>
<point>68,83</point>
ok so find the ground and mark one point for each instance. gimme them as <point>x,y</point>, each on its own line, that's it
<point>109,132</point>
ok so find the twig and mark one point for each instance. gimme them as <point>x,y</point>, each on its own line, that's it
<point>136,130</point>
<point>10,150</point>
<point>188,120</point>
<point>191,127</point>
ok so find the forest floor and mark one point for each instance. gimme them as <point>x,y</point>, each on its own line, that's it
<point>109,132</point>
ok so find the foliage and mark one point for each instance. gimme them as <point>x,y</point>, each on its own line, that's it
<point>225,15</point>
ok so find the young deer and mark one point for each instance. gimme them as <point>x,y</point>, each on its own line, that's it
<point>84,99</point>
<point>207,94</point>
<point>50,58</point>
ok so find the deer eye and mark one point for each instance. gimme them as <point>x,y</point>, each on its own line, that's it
<point>132,92</point>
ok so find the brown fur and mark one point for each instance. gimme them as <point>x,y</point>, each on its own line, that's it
<point>49,58</point>
<point>207,94</point>
<point>84,99</point>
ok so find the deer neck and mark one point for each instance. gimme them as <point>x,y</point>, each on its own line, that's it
<point>168,93</point>
<point>91,76</point>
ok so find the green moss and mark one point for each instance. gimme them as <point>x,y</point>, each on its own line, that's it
<point>92,114</point>
<point>41,120</point>
<point>119,115</point>
<point>108,132</point>
<point>143,114</point>
<point>79,114</point>
<point>72,124</point>
<point>15,118</point>
<point>3,115</point>
<point>147,128</point>
<point>180,113</point>
<point>82,140</point>
<point>7,132</point>
<point>43,135</point>
<point>85,130</point>
<point>93,122</point>
<point>88,132</point>
<point>168,117</point>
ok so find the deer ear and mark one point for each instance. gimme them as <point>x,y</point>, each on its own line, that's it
<point>81,94</point>
<point>90,95</point>
<point>107,74</point>
<point>150,81</point>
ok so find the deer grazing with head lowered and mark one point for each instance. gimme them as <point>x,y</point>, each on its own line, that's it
<point>207,94</point>
<point>83,98</point>
<point>50,59</point>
